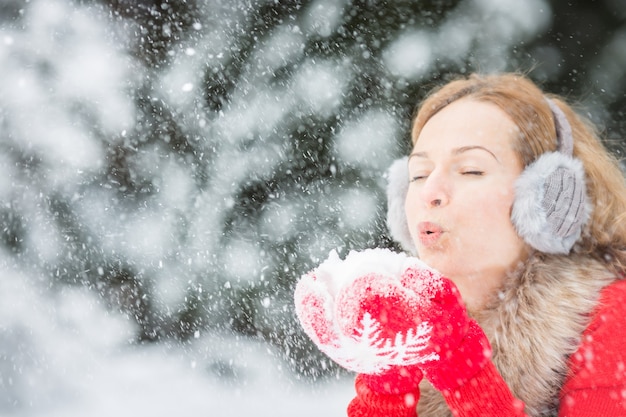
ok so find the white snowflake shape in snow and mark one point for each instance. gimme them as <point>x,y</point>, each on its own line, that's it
<point>367,353</point>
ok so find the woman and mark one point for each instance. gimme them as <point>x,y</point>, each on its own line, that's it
<point>513,200</point>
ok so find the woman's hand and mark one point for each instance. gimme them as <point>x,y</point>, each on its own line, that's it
<point>359,312</point>
<point>389,317</point>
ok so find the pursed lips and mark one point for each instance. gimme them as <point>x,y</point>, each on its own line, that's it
<point>429,233</point>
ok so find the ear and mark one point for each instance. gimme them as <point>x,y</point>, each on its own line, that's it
<point>397,188</point>
<point>551,206</point>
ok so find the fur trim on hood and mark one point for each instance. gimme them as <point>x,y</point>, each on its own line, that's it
<point>534,325</point>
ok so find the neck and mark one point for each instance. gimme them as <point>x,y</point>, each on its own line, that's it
<point>480,289</point>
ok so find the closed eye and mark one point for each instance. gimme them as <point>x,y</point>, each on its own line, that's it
<point>477,173</point>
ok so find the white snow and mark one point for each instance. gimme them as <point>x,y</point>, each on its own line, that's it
<point>278,220</point>
<point>176,185</point>
<point>323,17</point>
<point>367,141</point>
<point>517,18</point>
<point>5,180</point>
<point>410,56</point>
<point>358,208</point>
<point>242,260</point>
<point>283,46</point>
<point>335,273</point>
<point>321,85</point>
<point>67,356</point>
<point>482,30</point>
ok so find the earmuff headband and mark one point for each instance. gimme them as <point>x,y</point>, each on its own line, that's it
<point>564,137</point>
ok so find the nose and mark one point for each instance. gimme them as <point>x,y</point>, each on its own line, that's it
<point>435,191</point>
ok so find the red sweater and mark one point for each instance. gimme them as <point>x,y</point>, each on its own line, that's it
<point>595,386</point>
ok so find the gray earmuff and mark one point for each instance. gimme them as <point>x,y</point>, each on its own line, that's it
<point>551,206</point>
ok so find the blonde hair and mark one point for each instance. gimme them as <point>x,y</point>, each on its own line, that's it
<point>604,237</point>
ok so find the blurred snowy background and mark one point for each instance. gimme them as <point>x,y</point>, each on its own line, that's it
<point>170,168</point>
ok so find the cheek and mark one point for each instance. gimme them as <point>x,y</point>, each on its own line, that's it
<point>498,236</point>
<point>492,210</point>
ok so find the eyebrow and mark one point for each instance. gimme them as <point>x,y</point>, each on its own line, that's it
<point>457,151</point>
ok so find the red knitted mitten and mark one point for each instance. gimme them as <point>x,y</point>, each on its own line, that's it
<point>387,316</point>
<point>358,312</point>
<point>461,347</point>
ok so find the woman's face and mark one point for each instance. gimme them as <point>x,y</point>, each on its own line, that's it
<point>462,171</point>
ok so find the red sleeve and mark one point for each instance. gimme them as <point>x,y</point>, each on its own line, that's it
<point>596,384</point>
<point>486,394</point>
<point>369,403</point>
